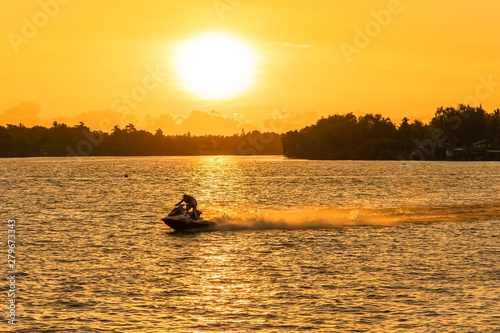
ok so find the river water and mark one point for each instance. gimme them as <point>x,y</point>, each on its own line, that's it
<point>323,246</point>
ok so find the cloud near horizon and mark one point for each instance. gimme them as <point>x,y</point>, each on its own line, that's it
<point>196,123</point>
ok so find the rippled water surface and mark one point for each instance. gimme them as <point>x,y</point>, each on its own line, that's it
<point>323,246</point>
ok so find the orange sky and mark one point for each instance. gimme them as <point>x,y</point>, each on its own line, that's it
<point>312,61</point>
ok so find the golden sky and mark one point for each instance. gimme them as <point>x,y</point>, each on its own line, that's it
<point>72,60</point>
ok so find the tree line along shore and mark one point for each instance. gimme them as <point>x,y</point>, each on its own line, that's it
<point>80,140</point>
<point>462,133</point>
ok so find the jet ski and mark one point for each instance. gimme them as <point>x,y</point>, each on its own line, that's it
<point>180,220</point>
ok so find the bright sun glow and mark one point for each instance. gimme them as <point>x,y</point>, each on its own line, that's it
<point>215,66</point>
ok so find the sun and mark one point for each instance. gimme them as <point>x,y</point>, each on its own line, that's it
<point>215,66</point>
